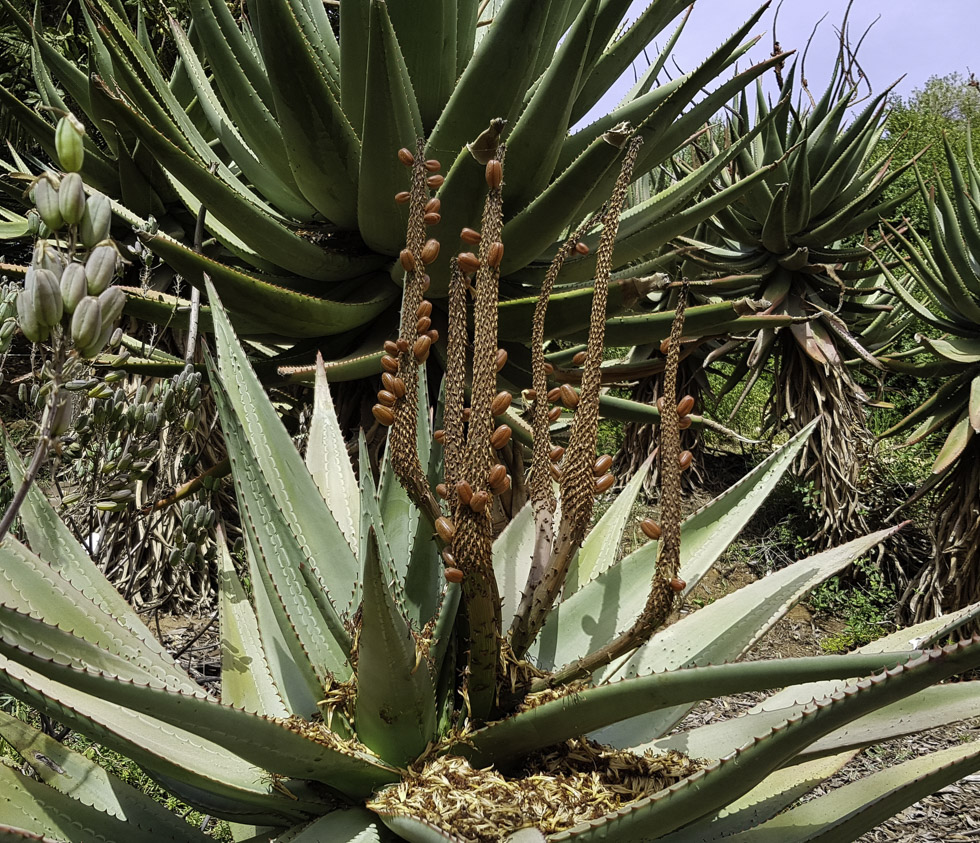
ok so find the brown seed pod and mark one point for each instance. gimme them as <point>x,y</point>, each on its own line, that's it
<point>442,490</point>
<point>569,397</point>
<point>389,363</point>
<point>468,235</point>
<point>402,345</point>
<point>497,475</point>
<point>502,487</point>
<point>439,435</point>
<point>479,501</point>
<point>685,422</point>
<point>433,335</point>
<point>430,251</point>
<point>464,491</point>
<point>426,283</point>
<point>686,405</point>
<point>407,260</point>
<point>445,528</point>
<point>421,348</point>
<point>554,394</point>
<point>424,309</point>
<point>686,458</point>
<point>581,248</point>
<point>557,453</point>
<point>549,369</point>
<point>402,197</point>
<point>678,584</point>
<point>529,394</point>
<point>432,219</point>
<point>406,157</point>
<point>383,414</point>
<point>500,403</point>
<point>501,359</point>
<point>495,254</point>
<point>495,173</point>
<point>665,346</point>
<point>433,166</point>
<point>448,558</point>
<point>555,471</point>
<point>650,528</point>
<point>660,404</point>
<point>423,325</point>
<point>602,465</point>
<point>604,483</point>
<point>435,182</point>
<point>453,575</point>
<point>433,206</point>
<point>467,412</point>
<point>468,262</point>
<point>579,358</point>
<point>387,398</point>
<point>554,413</point>
<point>500,437</point>
<point>388,381</point>
<point>391,348</point>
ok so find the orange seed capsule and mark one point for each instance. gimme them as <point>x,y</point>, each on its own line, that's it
<point>387,398</point>
<point>433,206</point>
<point>497,475</point>
<point>602,465</point>
<point>434,182</point>
<point>554,394</point>
<point>678,584</point>
<point>554,413</point>
<point>433,335</point>
<point>686,405</point>
<point>401,345</point>
<point>406,157</point>
<point>686,459</point>
<point>495,254</point>
<point>650,528</point>
<point>495,173</point>
<point>388,381</point>
<point>569,397</point>
<point>684,422</point>
<point>557,453</point>
<point>500,403</point>
<point>464,491</point>
<point>479,501</point>
<point>426,283</point>
<point>453,575</point>
<point>402,197</point>
<point>468,235</point>
<point>500,437</point>
<point>439,435</point>
<point>448,558</point>
<point>555,471</point>
<point>501,359</point>
<point>529,394</point>
<point>579,358</point>
<point>433,166</point>
<point>407,260</point>
<point>424,309</point>
<point>665,346</point>
<point>604,483</point>
<point>503,486</point>
<point>467,412</point>
<point>468,262</point>
<point>391,348</point>
<point>549,369</point>
<point>581,248</point>
<point>430,251</point>
<point>445,528</point>
<point>422,325</point>
<point>442,490</point>
<point>383,414</point>
<point>389,363</point>
<point>660,404</point>
<point>421,348</point>
<point>432,219</point>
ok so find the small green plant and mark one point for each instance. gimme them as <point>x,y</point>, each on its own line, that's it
<point>865,602</point>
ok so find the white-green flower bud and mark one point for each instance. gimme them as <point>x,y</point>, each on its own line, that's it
<point>74,285</point>
<point>96,221</point>
<point>49,307</point>
<point>69,143</point>
<point>86,326</point>
<point>47,202</point>
<point>59,414</point>
<point>71,198</point>
<point>113,301</point>
<point>34,222</point>
<point>47,256</point>
<point>27,318</point>
<point>100,267</point>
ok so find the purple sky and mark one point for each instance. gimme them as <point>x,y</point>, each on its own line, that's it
<point>912,37</point>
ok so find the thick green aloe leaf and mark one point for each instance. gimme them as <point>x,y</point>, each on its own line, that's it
<point>779,790</point>
<point>396,708</point>
<point>610,602</point>
<point>416,830</point>
<point>350,825</point>
<point>728,628</point>
<point>391,121</point>
<point>847,812</point>
<point>194,768</point>
<point>83,780</point>
<point>246,679</point>
<point>329,462</point>
<point>288,748</point>
<point>321,145</point>
<point>720,782</point>
<point>593,708</point>
<point>512,551</point>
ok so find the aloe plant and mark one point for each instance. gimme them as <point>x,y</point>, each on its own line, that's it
<point>938,281</point>
<point>399,671</point>
<point>284,133</point>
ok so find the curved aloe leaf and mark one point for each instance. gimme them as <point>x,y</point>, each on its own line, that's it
<point>350,825</point>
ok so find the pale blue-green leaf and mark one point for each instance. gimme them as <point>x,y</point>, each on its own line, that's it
<point>350,825</point>
<point>416,830</point>
<point>512,551</point>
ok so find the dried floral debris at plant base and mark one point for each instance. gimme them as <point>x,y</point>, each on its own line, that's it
<point>574,782</point>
